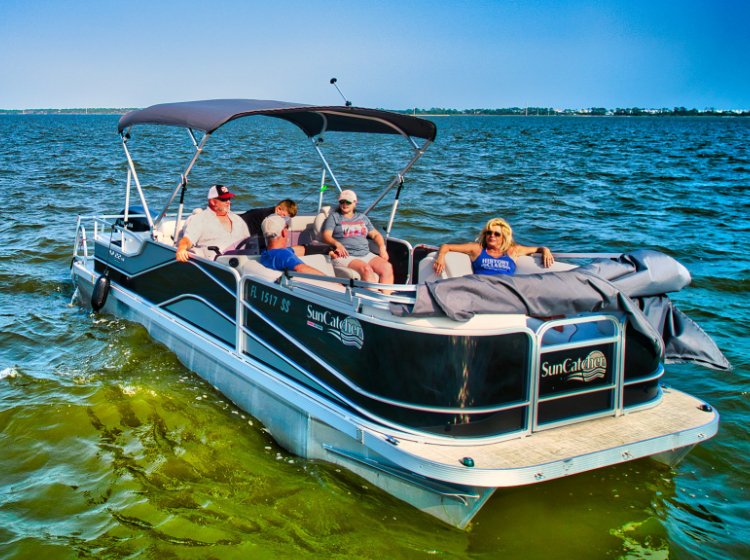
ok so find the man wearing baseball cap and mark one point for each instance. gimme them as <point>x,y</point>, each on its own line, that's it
<point>278,256</point>
<point>215,227</point>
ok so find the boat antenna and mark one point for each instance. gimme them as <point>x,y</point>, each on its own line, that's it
<point>346,101</point>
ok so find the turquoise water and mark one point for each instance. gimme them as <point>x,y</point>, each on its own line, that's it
<point>110,448</point>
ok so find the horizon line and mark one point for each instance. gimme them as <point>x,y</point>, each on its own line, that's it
<point>447,111</point>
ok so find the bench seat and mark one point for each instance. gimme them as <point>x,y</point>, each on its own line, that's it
<point>459,264</point>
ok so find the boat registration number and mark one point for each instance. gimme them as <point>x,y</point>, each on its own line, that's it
<point>269,298</point>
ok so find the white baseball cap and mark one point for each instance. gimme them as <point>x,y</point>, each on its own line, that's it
<point>219,191</point>
<point>348,195</point>
<point>273,225</point>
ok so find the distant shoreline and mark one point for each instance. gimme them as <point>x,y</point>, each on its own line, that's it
<point>441,112</point>
<point>588,112</point>
<point>76,111</point>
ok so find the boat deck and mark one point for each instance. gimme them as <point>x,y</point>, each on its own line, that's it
<point>679,421</point>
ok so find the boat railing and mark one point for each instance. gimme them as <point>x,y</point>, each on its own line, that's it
<point>107,229</point>
<point>96,225</point>
<point>592,358</point>
<point>355,290</point>
<point>81,243</point>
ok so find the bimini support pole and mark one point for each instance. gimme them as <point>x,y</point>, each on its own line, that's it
<point>325,163</point>
<point>127,194</point>
<point>316,142</point>
<point>399,179</point>
<point>183,180</point>
<point>126,213</point>
<point>131,169</point>
<point>184,176</point>
<point>323,189</point>
<point>394,207</point>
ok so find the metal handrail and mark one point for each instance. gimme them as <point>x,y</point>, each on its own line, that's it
<point>617,337</point>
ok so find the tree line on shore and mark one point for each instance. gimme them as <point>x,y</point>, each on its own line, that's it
<point>510,111</point>
<point>71,111</point>
<point>591,111</point>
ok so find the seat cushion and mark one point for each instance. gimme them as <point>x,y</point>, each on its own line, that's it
<point>456,264</point>
<point>532,264</point>
<point>318,223</point>
<point>321,262</point>
<point>254,268</point>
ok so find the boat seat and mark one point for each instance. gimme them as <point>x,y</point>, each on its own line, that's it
<point>456,264</point>
<point>250,264</point>
<point>253,267</point>
<point>459,264</point>
<point>532,264</point>
<point>321,262</point>
<point>166,231</point>
<point>301,227</point>
<point>309,226</point>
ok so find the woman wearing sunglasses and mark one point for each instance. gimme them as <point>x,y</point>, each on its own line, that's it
<point>348,231</point>
<point>494,252</point>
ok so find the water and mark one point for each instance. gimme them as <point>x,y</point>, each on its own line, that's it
<point>111,448</point>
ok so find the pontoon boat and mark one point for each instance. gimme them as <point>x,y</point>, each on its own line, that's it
<point>439,392</point>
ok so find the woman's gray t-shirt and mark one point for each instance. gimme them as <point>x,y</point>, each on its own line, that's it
<point>351,232</point>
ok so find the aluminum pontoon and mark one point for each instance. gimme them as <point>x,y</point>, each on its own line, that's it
<point>439,411</point>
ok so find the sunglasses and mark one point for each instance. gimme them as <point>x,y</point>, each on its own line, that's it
<point>346,202</point>
<point>491,233</point>
<point>225,199</point>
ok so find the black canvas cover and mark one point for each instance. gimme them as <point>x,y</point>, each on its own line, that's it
<point>210,114</point>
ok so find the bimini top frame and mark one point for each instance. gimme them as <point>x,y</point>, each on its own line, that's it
<point>209,115</point>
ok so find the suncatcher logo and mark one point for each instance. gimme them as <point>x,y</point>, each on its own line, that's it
<point>593,366</point>
<point>346,329</point>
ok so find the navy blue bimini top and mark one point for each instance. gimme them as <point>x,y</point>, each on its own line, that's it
<point>489,265</point>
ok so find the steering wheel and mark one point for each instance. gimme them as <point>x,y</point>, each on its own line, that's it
<point>249,244</point>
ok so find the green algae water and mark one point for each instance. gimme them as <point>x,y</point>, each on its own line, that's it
<point>110,448</point>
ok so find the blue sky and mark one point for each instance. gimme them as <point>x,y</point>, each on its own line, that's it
<point>387,53</point>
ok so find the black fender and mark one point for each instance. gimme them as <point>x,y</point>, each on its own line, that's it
<point>100,292</point>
